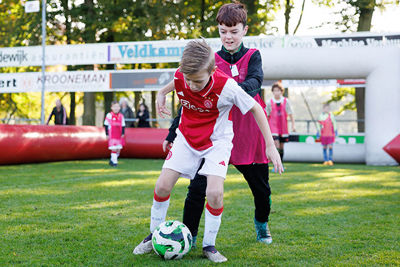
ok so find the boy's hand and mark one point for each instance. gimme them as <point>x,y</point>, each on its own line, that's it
<point>161,109</point>
<point>293,129</point>
<point>166,145</point>
<point>123,136</point>
<point>275,158</point>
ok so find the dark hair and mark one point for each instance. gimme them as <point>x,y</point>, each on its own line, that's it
<point>144,105</point>
<point>114,102</point>
<point>279,86</point>
<point>196,57</point>
<point>232,14</point>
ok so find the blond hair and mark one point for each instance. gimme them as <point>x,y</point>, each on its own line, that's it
<point>196,57</point>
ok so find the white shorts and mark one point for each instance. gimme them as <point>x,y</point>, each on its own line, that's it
<point>115,147</point>
<point>186,160</point>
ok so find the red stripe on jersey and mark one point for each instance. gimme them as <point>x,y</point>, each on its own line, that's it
<point>200,111</point>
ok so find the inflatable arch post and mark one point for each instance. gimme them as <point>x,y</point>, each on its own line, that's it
<point>380,67</point>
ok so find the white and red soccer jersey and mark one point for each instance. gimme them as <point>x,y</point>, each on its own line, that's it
<point>114,123</point>
<point>205,114</point>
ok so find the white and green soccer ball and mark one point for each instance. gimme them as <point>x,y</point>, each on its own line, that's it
<point>172,240</point>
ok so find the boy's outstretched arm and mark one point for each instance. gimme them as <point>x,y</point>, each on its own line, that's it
<point>262,122</point>
<point>161,97</point>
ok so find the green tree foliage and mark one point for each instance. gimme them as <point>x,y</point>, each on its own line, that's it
<point>341,94</point>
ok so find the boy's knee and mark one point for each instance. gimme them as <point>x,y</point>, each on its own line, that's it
<point>162,189</point>
<point>215,198</point>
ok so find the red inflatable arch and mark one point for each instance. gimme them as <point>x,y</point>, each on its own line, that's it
<point>38,143</point>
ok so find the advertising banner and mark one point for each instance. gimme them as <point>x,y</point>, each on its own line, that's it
<point>171,50</point>
<point>55,81</point>
<point>125,80</point>
<point>86,81</point>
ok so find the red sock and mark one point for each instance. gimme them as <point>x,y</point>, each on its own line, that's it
<point>215,212</point>
<point>160,199</point>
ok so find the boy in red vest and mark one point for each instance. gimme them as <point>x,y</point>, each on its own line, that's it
<point>327,131</point>
<point>114,124</point>
<point>278,109</point>
<point>204,138</point>
<point>245,67</point>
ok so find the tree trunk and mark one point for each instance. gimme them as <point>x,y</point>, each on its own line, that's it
<point>202,13</point>
<point>153,108</point>
<point>365,19</point>
<point>108,96</point>
<point>72,106</point>
<point>72,95</point>
<point>89,108</point>
<point>364,24</point>
<point>288,10</point>
<point>108,99</point>
<point>138,98</point>
<point>89,98</point>
<point>360,105</point>
<point>300,18</point>
<point>251,7</point>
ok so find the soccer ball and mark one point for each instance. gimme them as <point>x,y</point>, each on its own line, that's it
<point>172,240</point>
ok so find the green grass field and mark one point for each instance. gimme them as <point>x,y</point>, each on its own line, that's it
<point>84,213</point>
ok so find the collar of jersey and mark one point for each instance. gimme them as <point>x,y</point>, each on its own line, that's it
<point>206,90</point>
<point>240,47</point>
<point>279,100</point>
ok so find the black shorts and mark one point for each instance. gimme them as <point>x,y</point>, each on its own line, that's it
<point>281,138</point>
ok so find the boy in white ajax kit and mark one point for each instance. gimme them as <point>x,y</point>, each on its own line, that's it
<point>205,132</point>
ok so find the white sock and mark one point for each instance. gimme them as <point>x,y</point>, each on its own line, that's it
<point>158,213</point>
<point>211,227</point>
<point>114,157</point>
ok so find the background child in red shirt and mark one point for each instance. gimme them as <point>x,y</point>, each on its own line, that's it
<point>115,130</point>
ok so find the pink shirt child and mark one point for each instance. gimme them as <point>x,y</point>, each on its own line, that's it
<point>327,126</point>
<point>278,118</point>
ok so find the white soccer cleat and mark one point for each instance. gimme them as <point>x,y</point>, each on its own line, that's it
<point>144,247</point>
<point>213,254</point>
